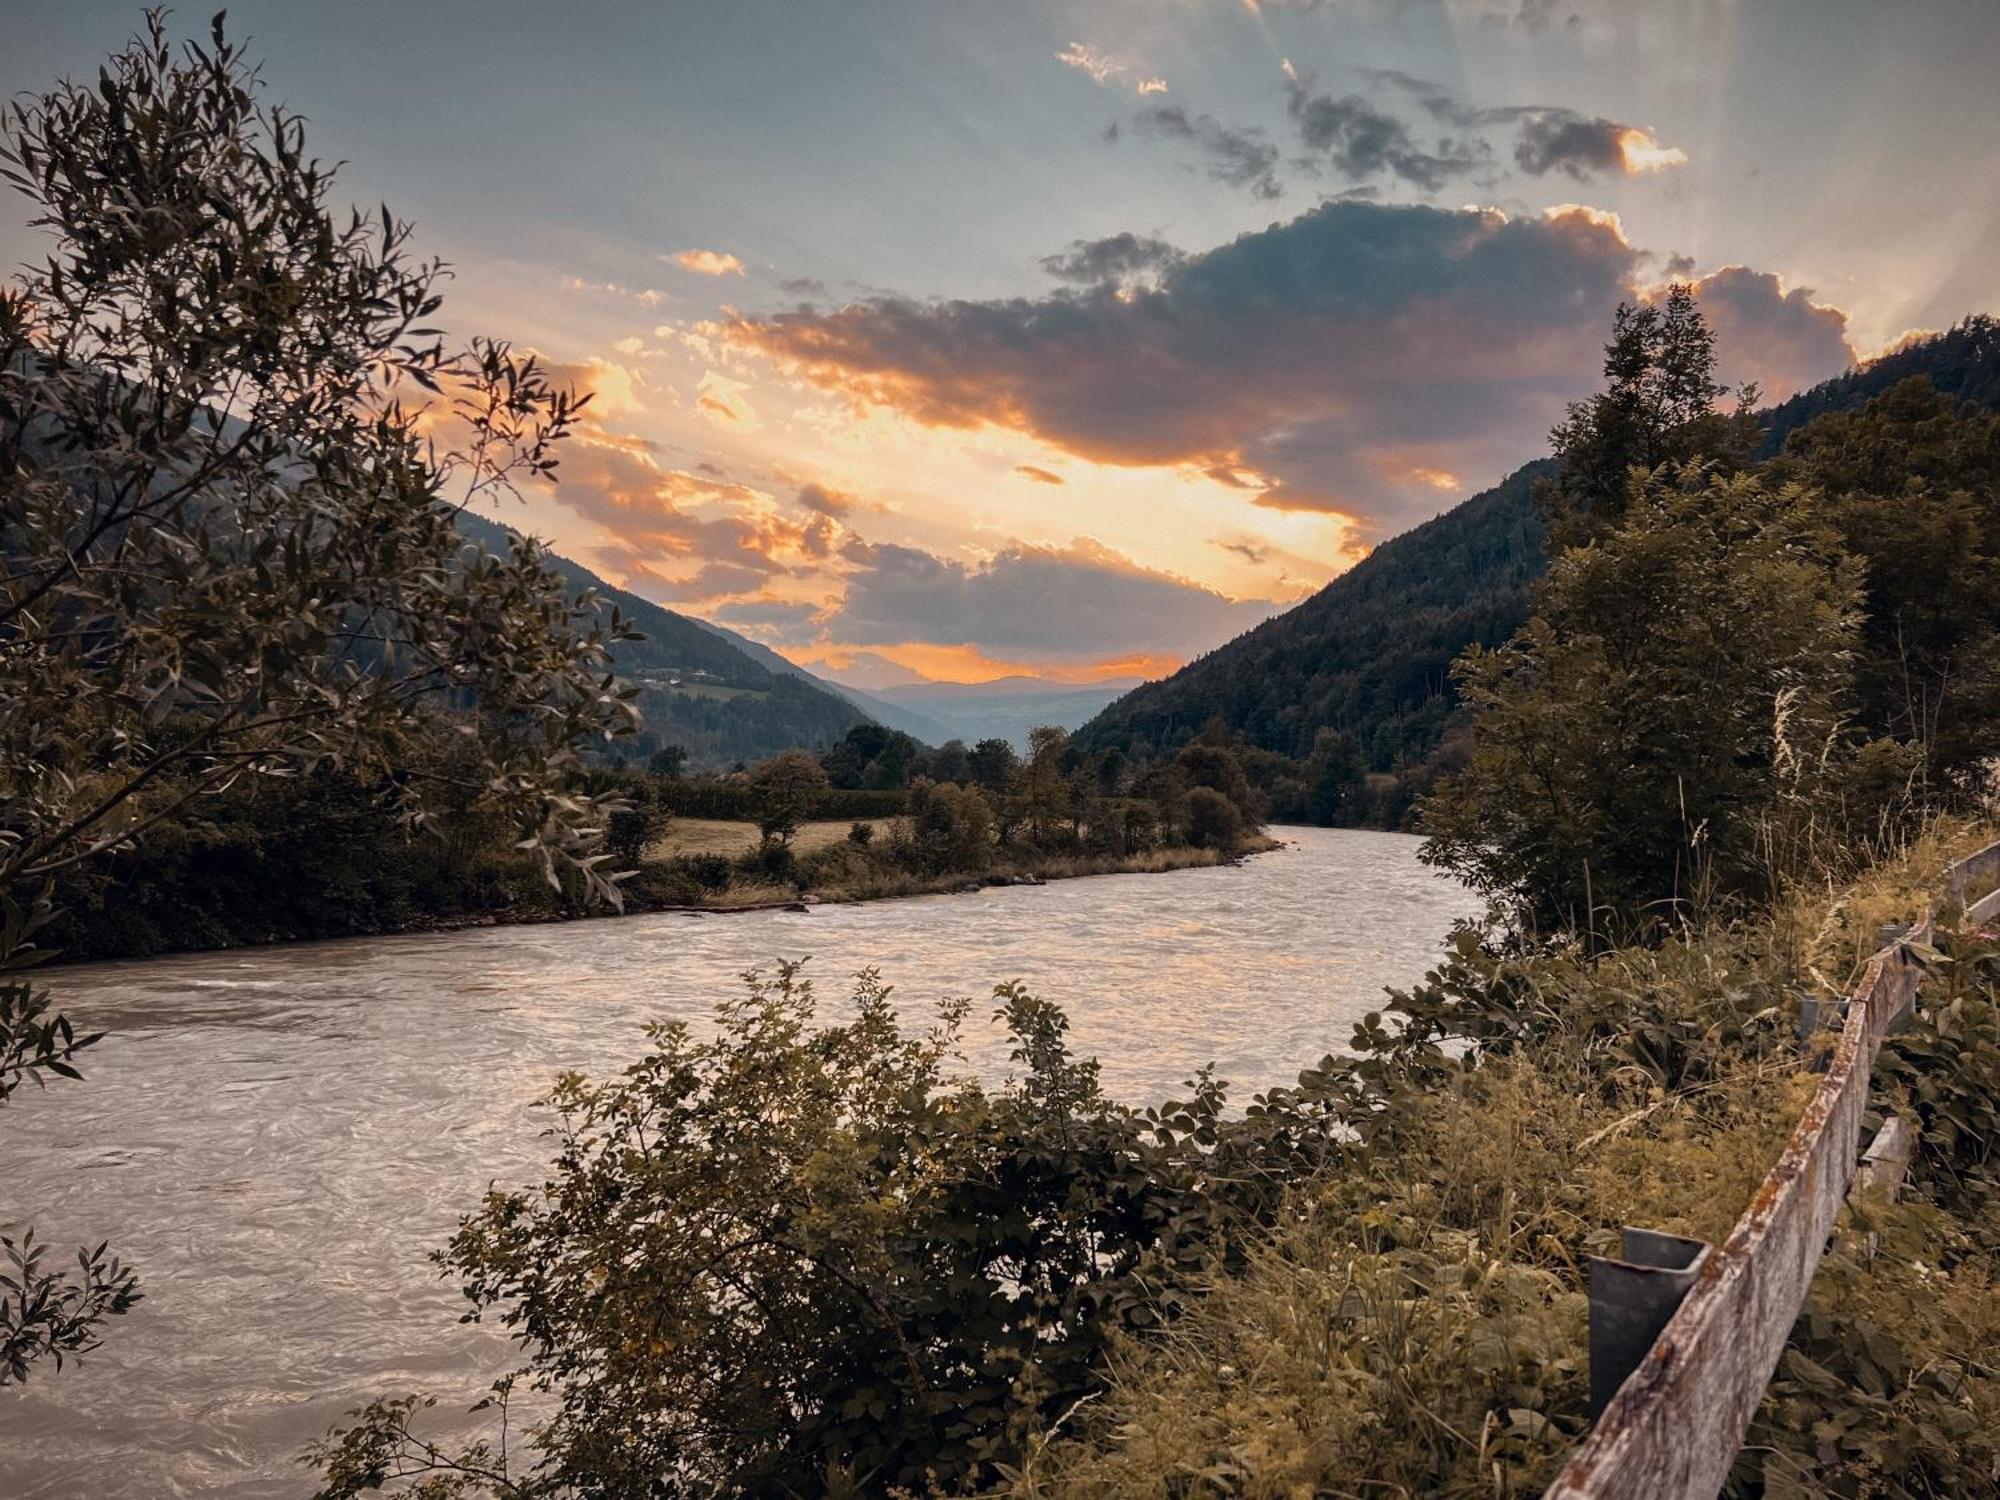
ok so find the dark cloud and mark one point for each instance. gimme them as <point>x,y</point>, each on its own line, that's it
<point>803,286</point>
<point>1359,140</point>
<point>1322,361</point>
<point>1369,359</point>
<point>1547,138</point>
<point>1239,157</point>
<point>1079,602</point>
<point>1254,553</point>
<point>1556,140</point>
<point>1113,258</point>
<point>1680,267</point>
<point>1039,475</point>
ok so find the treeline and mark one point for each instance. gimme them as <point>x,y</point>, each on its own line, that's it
<point>924,816</point>
<point>319,856</point>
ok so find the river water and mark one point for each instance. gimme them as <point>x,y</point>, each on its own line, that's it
<point>276,1137</point>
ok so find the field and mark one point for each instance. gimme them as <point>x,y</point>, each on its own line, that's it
<point>719,836</point>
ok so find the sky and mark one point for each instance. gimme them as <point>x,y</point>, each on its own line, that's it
<point>953,338</point>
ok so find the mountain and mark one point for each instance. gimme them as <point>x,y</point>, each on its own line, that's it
<point>701,688</point>
<point>883,712</point>
<point>1371,653</point>
<point>1005,708</point>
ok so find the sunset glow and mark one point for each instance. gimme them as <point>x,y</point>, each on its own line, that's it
<point>1180,307</point>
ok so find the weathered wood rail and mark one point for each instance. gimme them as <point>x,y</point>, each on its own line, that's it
<point>1674,1426</point>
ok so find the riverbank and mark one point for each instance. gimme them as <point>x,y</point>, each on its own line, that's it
<point>662,883</point>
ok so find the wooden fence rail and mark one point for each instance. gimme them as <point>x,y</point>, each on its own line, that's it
<point>1673,1429</point>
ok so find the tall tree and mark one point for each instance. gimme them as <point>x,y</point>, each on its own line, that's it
<point>1657,409</point>
<point>232,450</point>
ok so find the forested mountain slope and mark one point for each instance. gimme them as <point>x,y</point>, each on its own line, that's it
<point>1370,654</point>
<point>701,691</point>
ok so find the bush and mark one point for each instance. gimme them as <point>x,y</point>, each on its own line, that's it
<point>1213,820</point>
<point>804,1259</point>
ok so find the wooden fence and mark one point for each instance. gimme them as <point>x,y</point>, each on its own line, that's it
<point>1673,1428</point>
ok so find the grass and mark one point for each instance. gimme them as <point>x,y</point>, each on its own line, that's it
<point>721,836</point>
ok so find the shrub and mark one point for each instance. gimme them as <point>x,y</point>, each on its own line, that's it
<point>1213,821</point>
<point>803,1259</point>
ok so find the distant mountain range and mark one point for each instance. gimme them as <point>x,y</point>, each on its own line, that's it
<point>1005,708</point>
<point>1371,653</point>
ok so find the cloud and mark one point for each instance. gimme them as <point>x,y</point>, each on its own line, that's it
<point>785,621</point>
<point>1104,70</point>
<point>1113,258</point>
<point>826,502</point>
<point>1558,140</point>
<point>1079,602</point>
<point>1238,157</point>
<point>1254,553</point>
<point>1547,138</point>
<point>706,262</point>
<point>1040,476</point>
<point>1359,140</point>
<point>1782,340</point>
<point>1315,364</point>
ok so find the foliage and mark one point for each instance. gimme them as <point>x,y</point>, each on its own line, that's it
<point>1681,676</point>
<point>785,786</point>
<point>1912,486</point>
<point>1213,821</point>
<point>800,1258</point>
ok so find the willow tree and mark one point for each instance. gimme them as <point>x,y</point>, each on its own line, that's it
<point>233,445</point>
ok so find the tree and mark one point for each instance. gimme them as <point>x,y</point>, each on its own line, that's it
<point>951,827</point>
<point>1048,791</point>
<point>994,765</point>
<point>1681,676</point>
<point>669,761</point>
<point>786,786</point>
<point>1335,777</point>
<point>1912,486</point>
<point>232,454</point>
<point>1657,409</point>
<point>1213,820</point>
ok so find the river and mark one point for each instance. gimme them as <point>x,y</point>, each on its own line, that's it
<point>275,1137</point>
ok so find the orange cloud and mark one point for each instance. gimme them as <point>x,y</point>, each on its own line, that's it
<point>970,664</point>
<point>1638,152</point>
<point>1316,360</point>
<point>707,262</point>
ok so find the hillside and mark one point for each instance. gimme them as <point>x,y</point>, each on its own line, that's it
<point>883,712</point>
<point>1370,654</point>
<point>701,689</point>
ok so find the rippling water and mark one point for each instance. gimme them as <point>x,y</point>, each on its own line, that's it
<point>276,1137</point>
